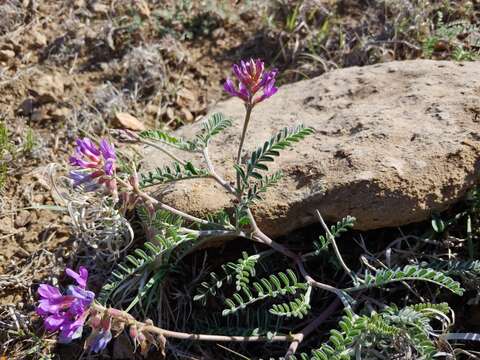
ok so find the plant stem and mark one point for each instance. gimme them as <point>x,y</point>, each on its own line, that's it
<point>162,149</point>
<point>151,200</point>
<point>264,239</point>
<point>248,112</point>
<point>335,248</point>
<point>298,338</point>
<point>129,320</point>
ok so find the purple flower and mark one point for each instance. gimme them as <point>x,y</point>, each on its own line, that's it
<point>66,313</point>
<point>252,78</point>
<point>100,341</point>
<point>96,165</point>
<point>90,157</point>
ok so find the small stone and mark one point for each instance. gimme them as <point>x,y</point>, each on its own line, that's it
<point>187,115</point>
<point>248,15</point>
<point>185,97</point>
<point>60,114</point>
<point>49,88</point>
<point>7,46</point>
<point>39,115</point>
<point>77,4</point>
<point>22,219</point>
<point>39,198</point>
<point>90,34</point>
<point>143,8</point>
<point>6,55</point>
<point>219,33</point>
<point>100,8</point>
<point>151,109</point>
<point>39,40</point>
<point>26,107</point>
<point>170,113</point>
<point>6,225</point>
<point>127,121</point>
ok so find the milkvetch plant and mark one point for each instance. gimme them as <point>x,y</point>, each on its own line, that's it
<point>140,280</point>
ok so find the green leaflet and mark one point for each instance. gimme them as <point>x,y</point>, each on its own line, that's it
<point>174,172</point>
<point>270,149</point>
<point>214,125</point>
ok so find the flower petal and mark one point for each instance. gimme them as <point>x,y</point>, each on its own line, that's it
<point>70,331</point>
<point>109,167</point>
<point>101,341</point>
<point>54,322</point>
<point>48,291</point>
<point>81,280</point>
<point>107,149</point>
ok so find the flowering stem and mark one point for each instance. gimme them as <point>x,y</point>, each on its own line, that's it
<point>151,200</point>
<point>129,320</point>
<point>248,112</point>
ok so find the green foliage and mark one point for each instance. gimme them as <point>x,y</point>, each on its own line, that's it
<point>253,322</point>
<point>214,125</point>
<point>336,230</point>
<point>167,139</point>
<point>408,273</point>
<point>174,172</point>
<point>160,220</point>
<point>184,21</point>
<point>241,271</point>
<point>298,308</point>
<point>438,225</point>
<point>216,282</point>
<point>261,186</point>
<point>138,278</point>
<point>132,264</point>
<point>271,287</point>
<point>244,269</point>
<point>30,141</point>
<point>266,153</point>
<point>391,332</point>
<point>6,148</point>
<point>468,270</point>
<point>455,267</point>
<point>221,218</point>
<point>460,37</point>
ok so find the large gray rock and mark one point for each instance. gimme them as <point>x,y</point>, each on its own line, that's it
<point>394,142</point>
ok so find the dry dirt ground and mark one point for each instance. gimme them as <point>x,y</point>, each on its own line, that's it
<point>68,68</point>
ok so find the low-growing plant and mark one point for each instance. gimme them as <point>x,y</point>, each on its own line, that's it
<point>6,149</point>
<point>291,297</point>
<point>457,40</point>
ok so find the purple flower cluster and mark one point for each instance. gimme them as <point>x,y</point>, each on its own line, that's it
<point>94,163</point>
<point>252,77</point>
<point>66,313</point>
